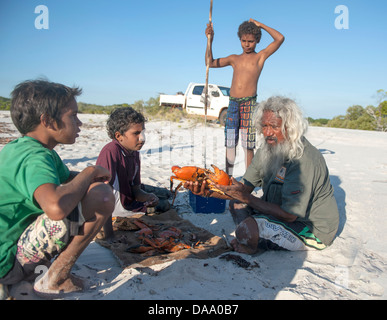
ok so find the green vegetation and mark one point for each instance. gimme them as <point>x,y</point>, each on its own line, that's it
<point>322,122</point>
<point>356,117</point>
<point>150,109</point>
<point>5,103</point>
<point>369,118</point>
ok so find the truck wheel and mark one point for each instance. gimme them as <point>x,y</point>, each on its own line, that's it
<point>222,117</point>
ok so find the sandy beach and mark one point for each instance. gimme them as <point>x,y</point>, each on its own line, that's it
<point>353,267</point>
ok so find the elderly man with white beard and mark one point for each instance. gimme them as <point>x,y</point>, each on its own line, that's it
<point>297,210</point>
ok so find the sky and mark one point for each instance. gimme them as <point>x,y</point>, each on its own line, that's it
<point>122,51</point>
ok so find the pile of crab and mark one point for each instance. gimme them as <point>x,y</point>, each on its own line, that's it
<point>197,174</point>
<point>156,239</point>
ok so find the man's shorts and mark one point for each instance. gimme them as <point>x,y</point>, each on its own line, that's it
<point>41,241</point>
<point>239,117</point>
<point>277,235</point>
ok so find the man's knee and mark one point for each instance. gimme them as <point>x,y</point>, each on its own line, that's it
<point>247,236</point>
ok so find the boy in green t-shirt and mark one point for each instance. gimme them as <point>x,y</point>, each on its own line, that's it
<point>46,211</point>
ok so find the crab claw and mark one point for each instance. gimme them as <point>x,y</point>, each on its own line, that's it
<point>219,176</point>
<point>175,168</point>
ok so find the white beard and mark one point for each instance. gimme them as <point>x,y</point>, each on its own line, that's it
<point>272,158</point>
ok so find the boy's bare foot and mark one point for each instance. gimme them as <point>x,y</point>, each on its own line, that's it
<point>48,289</point>
<point>4,294</point>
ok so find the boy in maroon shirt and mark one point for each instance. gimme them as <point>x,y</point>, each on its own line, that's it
<point>121,157</point>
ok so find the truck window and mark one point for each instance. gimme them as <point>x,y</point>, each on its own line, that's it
<point>225,91</point>
<point>198,90</point>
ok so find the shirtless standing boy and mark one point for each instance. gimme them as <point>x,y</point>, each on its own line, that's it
<point>247,69</point>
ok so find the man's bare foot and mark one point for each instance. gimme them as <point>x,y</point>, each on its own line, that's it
<point>241,248</point>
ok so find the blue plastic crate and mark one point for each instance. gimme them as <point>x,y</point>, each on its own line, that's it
<point>206,205</point>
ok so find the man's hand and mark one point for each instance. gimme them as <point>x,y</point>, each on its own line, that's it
<point>199,190</point>
<point>236,190</point>
<point>242,192</point>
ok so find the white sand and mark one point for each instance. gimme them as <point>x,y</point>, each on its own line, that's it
<point>354,267</point>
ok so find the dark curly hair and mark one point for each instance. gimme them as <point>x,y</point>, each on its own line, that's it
<point>33,98</point>
<point>250,28</point>
<point>121,119</point>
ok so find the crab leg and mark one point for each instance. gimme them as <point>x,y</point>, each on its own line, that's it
<point>177,188</point>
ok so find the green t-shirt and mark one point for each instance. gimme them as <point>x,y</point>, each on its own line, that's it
<point>24,165</point>
<point>301,187</point>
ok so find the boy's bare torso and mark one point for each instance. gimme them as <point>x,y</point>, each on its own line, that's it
<point>247,69</point>
<point>248,65</point>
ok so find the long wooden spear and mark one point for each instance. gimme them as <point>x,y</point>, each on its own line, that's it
<point>208,62</point>
<point>206,89</point>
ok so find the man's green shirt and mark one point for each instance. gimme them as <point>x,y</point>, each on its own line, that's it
<point>301,187</point>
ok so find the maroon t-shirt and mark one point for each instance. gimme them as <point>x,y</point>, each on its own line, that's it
<point>125,166</point>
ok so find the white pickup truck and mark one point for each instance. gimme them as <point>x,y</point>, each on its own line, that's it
<point>193,101</point>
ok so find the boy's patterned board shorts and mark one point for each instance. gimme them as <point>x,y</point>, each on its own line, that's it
<point>45,238</point>
<point>239,117</point>
<point>41,241</point>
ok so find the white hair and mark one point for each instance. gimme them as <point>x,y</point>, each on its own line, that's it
<point>294,125</point>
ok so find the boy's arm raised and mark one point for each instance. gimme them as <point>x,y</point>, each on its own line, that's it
<point>277,36</point>
<point>217,63</point>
